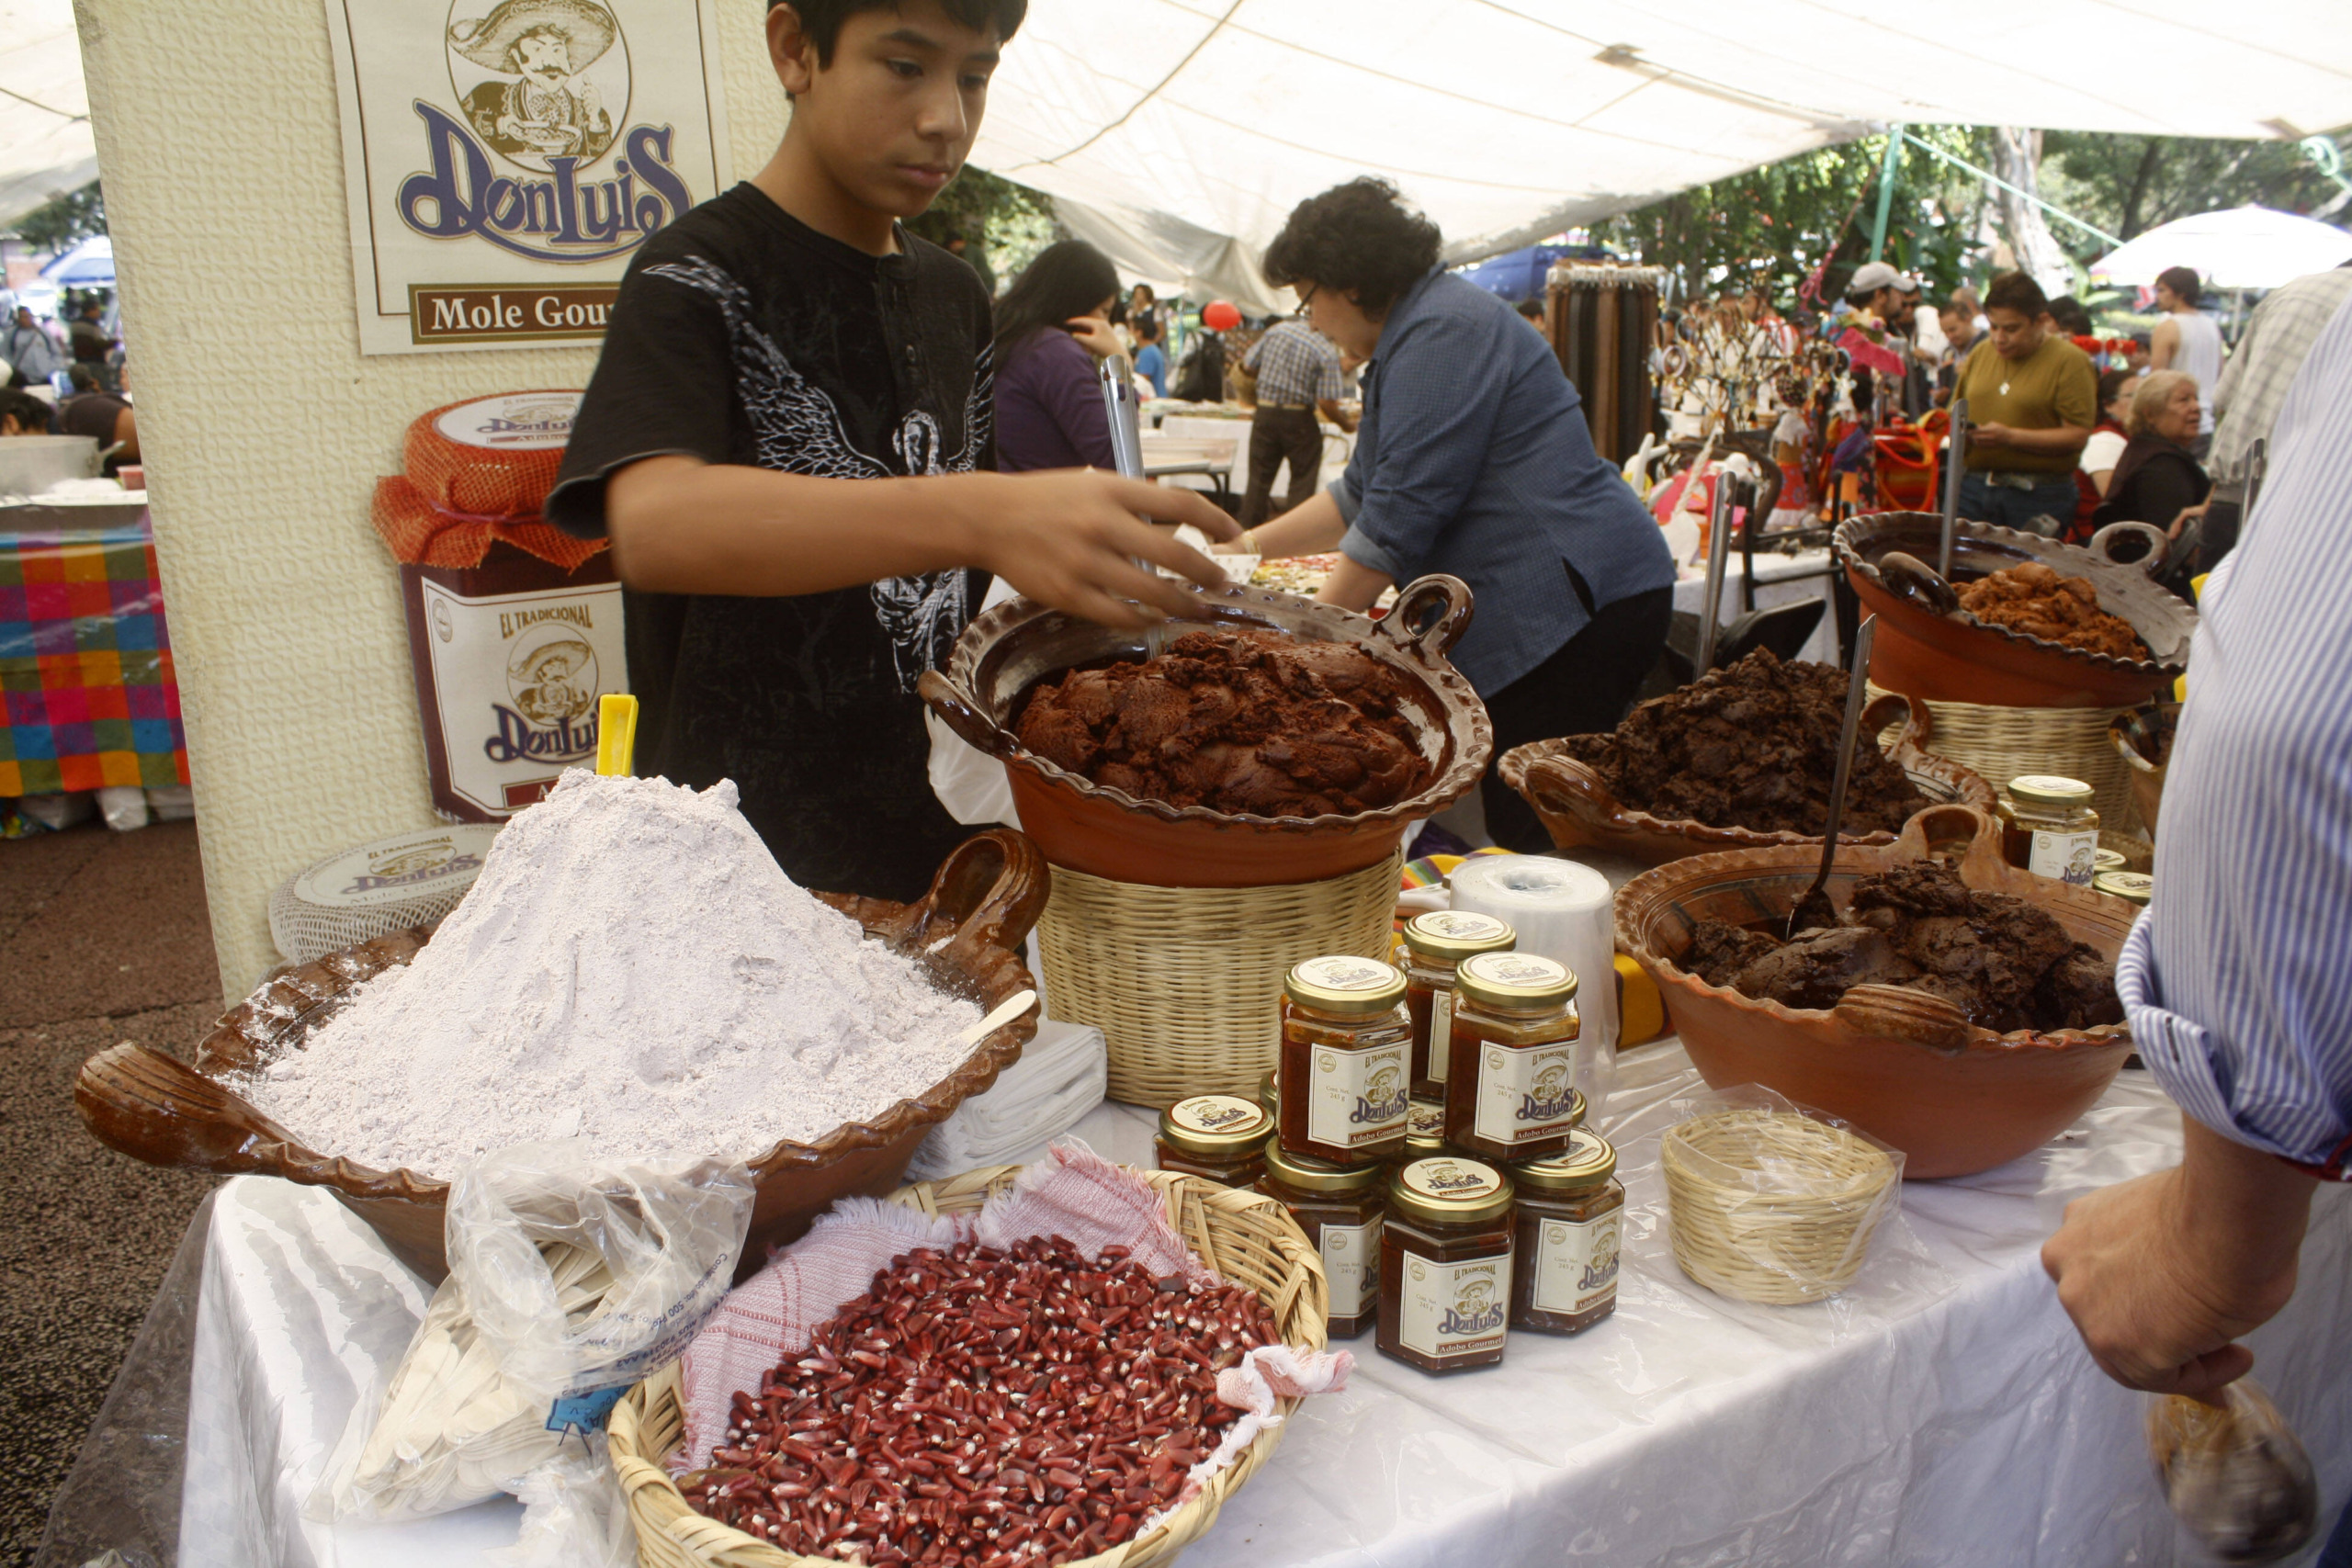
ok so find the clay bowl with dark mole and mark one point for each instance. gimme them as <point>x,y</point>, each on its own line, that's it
<point>1107,833</point>
<point>966,933</point>
<point>1580,812</point>
<point>1954,658</point>
<point>1905,1066</point>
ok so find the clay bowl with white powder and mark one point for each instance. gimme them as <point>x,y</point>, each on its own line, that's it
<point>661,991</point>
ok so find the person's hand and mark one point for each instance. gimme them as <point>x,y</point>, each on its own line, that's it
<point>1069,538</point>
<point>2187,512</point>
<point>2156,1312</point>
<point>1095,336</point>
<point>1989,435</point>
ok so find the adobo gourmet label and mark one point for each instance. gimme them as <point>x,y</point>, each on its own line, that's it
<point>504,158</point>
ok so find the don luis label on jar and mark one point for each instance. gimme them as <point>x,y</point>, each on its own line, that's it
<point>1355,1097</point>
<point>1454,1309</point>
<point>1576,1265</point>
<point>1525,1092</point>
<point>2065,857</point>
<point>1351,1262</point>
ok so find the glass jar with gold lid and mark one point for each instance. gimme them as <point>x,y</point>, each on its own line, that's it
<point>1435,943</point>
<point>1339,1207</point>
<point>2050,828</point>
<point>1510,1093</point>
<point>1446,1265</point>
<point>1220,1137</point>
<point>1341,1078</point>
<point>2133,886</point>
<point>1569,1217</point>
<point>1424,1132</point>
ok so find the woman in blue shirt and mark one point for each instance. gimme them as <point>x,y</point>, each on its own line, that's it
<point>1472,458</point>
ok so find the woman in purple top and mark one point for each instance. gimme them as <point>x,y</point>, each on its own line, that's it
<point>1051,331</point>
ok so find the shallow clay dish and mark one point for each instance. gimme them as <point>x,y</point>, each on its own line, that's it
<point>1580,813</point>
<point>1903,1066</point>
<point>1108,832</point>
<point>1957,658</point>
<point>967,932</point>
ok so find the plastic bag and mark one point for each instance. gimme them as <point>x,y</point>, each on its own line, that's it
<point>1772,1202</point>
<point>124,807</point>
<point>2234,1473</point>
<point>567,1283</point>
<point>969,783</point>
<point>574,1515</point>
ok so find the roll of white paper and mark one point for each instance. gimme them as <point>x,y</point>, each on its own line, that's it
<point>1561,911</point>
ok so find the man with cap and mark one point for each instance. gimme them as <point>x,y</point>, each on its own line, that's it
<point>1876,292</point>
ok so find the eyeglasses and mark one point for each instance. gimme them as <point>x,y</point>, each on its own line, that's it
<point>1305,297</point>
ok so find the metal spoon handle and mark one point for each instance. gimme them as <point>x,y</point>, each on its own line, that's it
<point>1955,465</point>
<point>1857,698</point>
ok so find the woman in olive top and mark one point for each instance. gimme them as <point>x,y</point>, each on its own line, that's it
<point>2032,400</point>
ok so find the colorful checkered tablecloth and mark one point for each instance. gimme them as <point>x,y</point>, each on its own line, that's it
<point>85,664</point>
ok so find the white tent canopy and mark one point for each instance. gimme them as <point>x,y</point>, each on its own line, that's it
<point>45,146</point>
<point>2242,247</point>
<point>1189,128</point>
<point>1508,119</point>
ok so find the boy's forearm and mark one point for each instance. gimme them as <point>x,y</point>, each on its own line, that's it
<point>681,526</point>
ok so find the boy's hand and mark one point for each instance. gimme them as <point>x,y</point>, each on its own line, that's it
<point>1069,538</point>
<point>1095,336</point>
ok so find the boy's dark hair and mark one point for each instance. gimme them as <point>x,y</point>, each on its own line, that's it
<point>2112,382</point>
<point>1532,308</point>
<point>2183,281</point>
<point>31,414</point>
<point>822,19</point>
<point>1066,279</point>
<point>83,378</point>
<point>1358,237</point>
<point>2016,291</point>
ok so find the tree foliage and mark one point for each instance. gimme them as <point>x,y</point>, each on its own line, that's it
<point>64,221</point>
<point>1775,224</point>
<point>2128,184</point>
<point>1010,221</point>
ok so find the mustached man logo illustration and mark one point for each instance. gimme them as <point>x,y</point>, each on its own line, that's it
<point>542,86</point>
<point>540,102</point>
<point>553,678</point>
<point>1476,1309</point>
<point>1552,1096</point>
<point>1383,1098</point>
<point>419,864</point>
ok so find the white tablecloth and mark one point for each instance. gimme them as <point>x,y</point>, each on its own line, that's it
<point>1779,579</point>
<point>1337,448</point>
<point>1943,1413</point>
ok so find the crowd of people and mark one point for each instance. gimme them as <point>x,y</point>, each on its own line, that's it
<point>68,378</point>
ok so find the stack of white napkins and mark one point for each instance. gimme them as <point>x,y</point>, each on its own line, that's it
<point>1061,1078</point>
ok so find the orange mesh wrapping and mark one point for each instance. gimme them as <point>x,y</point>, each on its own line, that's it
<point>455,498</point>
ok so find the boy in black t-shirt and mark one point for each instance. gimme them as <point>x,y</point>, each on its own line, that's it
<point>769,349</point>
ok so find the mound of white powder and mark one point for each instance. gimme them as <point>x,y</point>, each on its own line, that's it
<point>632,966</point>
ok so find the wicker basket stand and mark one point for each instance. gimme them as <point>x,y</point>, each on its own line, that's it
<point>1248,1239</point>
<point>2003,743</point>
<point>1779,1248</point>
<point>1185,983</point>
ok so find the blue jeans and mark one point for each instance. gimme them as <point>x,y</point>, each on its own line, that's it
<point>1984,502</point>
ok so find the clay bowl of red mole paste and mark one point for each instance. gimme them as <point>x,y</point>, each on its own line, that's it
<point>1580,813</point>
<point>1905,1067</point>
<point>966,933</point>
<point>1105,831</point>
<point>1957,658</point>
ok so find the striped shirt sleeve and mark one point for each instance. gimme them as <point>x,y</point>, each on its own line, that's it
<point>2238,979</point>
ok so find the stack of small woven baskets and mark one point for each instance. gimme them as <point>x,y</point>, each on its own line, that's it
<point>1772,1206</point>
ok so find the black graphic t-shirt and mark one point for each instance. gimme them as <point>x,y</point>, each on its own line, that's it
<point>743,337</point>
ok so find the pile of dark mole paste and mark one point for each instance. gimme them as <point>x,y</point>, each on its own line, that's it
<point>1752,745</point>
<point>2002,961</point>
<point>1238,721</point>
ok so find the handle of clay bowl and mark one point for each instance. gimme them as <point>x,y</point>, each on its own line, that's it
<point>1421,595</point>
<point>162,1112</point>
<point>992,886</point>
<point>2159,544</point>
<point>1917,725</point>
<point>957,710</point>
<point>1568,788</point>
<point>1981,829</point>
<point>1898,1012</point>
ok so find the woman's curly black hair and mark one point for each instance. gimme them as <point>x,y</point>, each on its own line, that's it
<point>1359,238</point>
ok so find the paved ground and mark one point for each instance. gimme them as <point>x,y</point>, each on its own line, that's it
<point>102,938</point>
